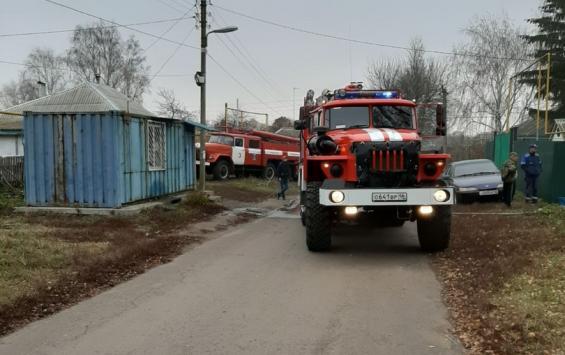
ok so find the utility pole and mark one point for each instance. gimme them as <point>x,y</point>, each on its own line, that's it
<point>203,49</point>
<point>200,78</point>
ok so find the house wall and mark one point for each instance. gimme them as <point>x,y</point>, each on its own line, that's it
<point>11,145</point>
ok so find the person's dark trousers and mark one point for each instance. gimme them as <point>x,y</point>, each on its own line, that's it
<point>507,193</point>
<point>531,188</point>
<point>284,186</point>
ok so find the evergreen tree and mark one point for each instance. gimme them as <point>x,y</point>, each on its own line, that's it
<point>550,37</point>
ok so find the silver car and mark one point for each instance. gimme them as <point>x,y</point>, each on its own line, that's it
<point>474,179</point>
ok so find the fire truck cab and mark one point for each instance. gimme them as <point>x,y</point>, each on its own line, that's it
<point>362,159</point>
<point>242,152</point>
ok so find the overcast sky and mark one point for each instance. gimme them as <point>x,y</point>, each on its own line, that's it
<point>285,58</point>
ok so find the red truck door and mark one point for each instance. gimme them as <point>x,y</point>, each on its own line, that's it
<point>253,154</point>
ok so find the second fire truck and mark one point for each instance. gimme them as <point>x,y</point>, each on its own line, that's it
<point>243,152</point>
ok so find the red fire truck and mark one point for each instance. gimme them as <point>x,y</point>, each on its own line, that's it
<point>248,152</point>
<point>362,159</point>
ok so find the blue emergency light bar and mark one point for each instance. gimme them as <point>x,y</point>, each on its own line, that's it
<point>366,94</point>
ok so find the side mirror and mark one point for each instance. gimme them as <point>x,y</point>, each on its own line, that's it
<point>441,126</point>
<point>300,125</point>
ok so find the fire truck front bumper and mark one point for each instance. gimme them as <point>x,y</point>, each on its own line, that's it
<point>425,196</point>
<point>205,163</point>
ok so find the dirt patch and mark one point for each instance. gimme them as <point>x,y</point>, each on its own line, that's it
<point>228,191</point>
<point>488,253</point>
<point>93,254</point>
<point>249,189</point>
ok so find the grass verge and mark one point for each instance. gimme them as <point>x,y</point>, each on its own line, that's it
<point>250,189</point>
<point>47,262</point>
<point>504,278</point>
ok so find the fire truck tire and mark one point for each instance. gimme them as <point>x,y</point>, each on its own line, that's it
<point>434,233</point>
<point>269,171</point>
<point>317,220</point>
<point>221,170</point>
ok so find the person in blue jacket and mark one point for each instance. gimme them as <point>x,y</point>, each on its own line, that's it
<point>531,164</point>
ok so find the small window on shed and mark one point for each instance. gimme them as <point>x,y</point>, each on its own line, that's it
<point>156,157</point>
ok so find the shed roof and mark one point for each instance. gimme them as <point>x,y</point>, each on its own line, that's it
<point>86,97</point>
<point>11,123</point>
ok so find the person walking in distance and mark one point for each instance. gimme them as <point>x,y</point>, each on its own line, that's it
<point>531,164</point>
<point>282,174</point>
<point>508,174</point>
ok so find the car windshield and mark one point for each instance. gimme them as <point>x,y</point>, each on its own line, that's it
<point>474,169</point>
<point>220,139</point>
<point>348,117</point>
<point>389,116</point>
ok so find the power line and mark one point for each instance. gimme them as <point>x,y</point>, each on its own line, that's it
<point>248,57</point>
<point>117,24</point>
<point>90,28</point>
<point>171,56</point>
<point>352,40</point>
<point>168,30</point>
<point>241,85</point>
<point>239,59</point>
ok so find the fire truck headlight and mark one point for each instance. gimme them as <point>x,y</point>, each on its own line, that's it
<point>425,210</point>
<point>337,196</point>
<point>441,195</point>
<point>430,169</point>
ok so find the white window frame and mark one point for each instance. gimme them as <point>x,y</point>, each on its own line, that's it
<point>156,161</point>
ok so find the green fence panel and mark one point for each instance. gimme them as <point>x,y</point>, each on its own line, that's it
<point>501,148</point>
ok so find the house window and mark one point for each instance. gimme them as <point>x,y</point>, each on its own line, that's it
<point>156,156</point>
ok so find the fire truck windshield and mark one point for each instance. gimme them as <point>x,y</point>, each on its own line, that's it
<point>221,139</point>
<point>388,116</point>
<point>348,117</point>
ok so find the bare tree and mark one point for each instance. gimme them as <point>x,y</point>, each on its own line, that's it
<point>483,66</point>
<point>42,64</point>
<point>170,106</point>
<point>17,92</point>
<point>100,50</point>
<point>418,77</point>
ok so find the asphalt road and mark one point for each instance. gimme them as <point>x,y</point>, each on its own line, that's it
<point>257,290</point>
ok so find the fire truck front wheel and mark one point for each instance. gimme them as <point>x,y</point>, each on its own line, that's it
<point>317,220</point>
<point>221,170</point>
<point>269,171</point>
<point>434,232</point>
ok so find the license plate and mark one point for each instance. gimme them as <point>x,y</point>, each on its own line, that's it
<point>488,192</point>
<point>390,197</point>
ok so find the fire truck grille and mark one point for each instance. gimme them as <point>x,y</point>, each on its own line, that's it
<point>386,164</point>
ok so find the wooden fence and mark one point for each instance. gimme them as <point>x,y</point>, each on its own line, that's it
<point>11,171</point>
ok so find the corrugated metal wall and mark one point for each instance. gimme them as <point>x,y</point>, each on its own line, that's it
<point>70,159</point>
<point>99,160</point>
<point>141,183</point>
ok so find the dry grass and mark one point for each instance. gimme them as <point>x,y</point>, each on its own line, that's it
<point>504,278</point>
<point>250,189</point>
<point>48,262</point>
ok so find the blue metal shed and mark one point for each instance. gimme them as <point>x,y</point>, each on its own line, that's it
<point>91,146</point>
